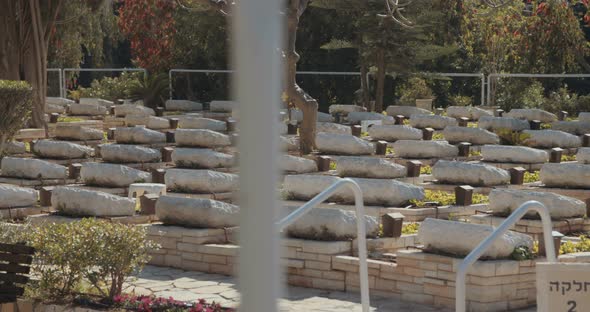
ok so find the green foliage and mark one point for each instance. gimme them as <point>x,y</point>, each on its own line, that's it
<point>565,157</point>
<point>572,247</point>
<point>520,94</point>
<point>425,170</point>
<point>152,90</point>
<point>12,233</point>
<point>16,102</point>
<point>461,100</point>
<point>410,228</point>
<point>438,136</point>
<point>445,199</point>
<point>530,177</point>
<point>110,88</point>
<point>89,251</point>
<point>509,137</point>
<point>332,165</point>
<point>521,253</point>
<point>415,88</point>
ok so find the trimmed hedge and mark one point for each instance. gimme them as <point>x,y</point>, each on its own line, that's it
<point>16,102</point>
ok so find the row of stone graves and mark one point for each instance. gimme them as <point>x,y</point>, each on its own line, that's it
<point>173,170</point>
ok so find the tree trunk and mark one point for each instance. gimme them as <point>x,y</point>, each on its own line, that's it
<point>380,80</point>
<point>295,94</point>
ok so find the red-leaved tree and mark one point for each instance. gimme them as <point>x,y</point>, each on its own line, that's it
<point>149,26</point>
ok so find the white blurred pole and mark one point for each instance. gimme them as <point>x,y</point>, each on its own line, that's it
<point>257,40</point>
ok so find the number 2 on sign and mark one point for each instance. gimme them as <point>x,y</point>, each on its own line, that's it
<point>572,306</point>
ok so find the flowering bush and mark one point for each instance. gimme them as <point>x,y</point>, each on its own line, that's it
<point>153,304</point>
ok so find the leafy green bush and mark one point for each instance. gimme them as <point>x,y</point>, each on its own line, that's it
<point>460,100</point>
<point>109,88</point>
<point>152,90</point>
<point>410,228</point>
<point>95,252</point>
<point>415,88</point>
<point>16,102</point>
<point>530,177</point>
<point>572,247</point>
<point>519,93</point>
<point>509,137</point>
<point>445,199</point>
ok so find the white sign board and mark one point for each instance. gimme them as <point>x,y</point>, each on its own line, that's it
<point>563,287</point>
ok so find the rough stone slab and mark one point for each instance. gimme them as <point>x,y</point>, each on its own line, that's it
<point>369,167</point>
<point>15,196</point>
<point>121,153</point>
<point>475,136</point>
<point>380,192</point>
<point>357,117</point>
<point>139,135</point>
<point>471,112</point>
<point>513,154</point>
<point>565,175</point>
<point>201,181</point>
<point>52,108</point>
<point>183,105</point>
<point>15,147</point>
<point>573,127</point>
<point>58,101</point>
<point>78,133</point>
<point>331,143</point>
<point>330,127</point>
<point>89,101</point>
<point>345,109</point>
<point>583,155</point>
<point>505,201</point>
<point>297,115</point>
<point>196,212</point>
<point>151,122</point>
<point>201,158</point>
<point>424,149</point>
<point>190,122</point>
<point>201,138</point>
<point>289,143</point>
<point>132,109</point>
<point>551,138</point>
<point>29,168</point>
<point>459,238</point>
<point>61,150</point>
<point>532,114</point>
<point>329,224</point>
<point>432,121</point>
<point>394,132</point>
<point>584,116</point>
<point>407,111</point>
<point>295,164</point>
<point>87,109</point>
<point>85,203</point>
<point>497,123</point>
<point>456,172</point>
<point>111,175</point>
<point>106,103</point>
<point>223,106</point>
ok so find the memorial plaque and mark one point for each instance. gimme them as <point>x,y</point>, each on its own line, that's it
<point>563,287</point>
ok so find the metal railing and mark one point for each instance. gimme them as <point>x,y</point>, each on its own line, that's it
<point>460,296</point>
<point>523,75</point>
<point>121,70</point>
<point>361,230</point>
<point>228,71</point>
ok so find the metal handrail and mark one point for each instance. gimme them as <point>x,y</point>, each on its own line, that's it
<point>361,230</point>
<point>543,211</point>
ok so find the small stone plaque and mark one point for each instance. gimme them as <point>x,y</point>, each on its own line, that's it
<point>563,287</point>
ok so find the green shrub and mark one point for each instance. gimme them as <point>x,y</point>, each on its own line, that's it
<point>460,100</point>
<point>572,247</point>
<point>410,228</point>
<point>152,90</point>
<point>16,102</point>
<point>530,177</point>
<point>87,252</point>
<point>446,199</point>
<point>109,88</point>
<point>509,137</point>
<point>415,88</point>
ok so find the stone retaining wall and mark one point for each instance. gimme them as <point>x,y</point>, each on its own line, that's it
<point>534,228</point>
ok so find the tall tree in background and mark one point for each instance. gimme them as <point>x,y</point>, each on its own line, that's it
<point>27,27</point>
<point>149,26</point>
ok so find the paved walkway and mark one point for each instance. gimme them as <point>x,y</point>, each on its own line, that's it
<point>190,286</point>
